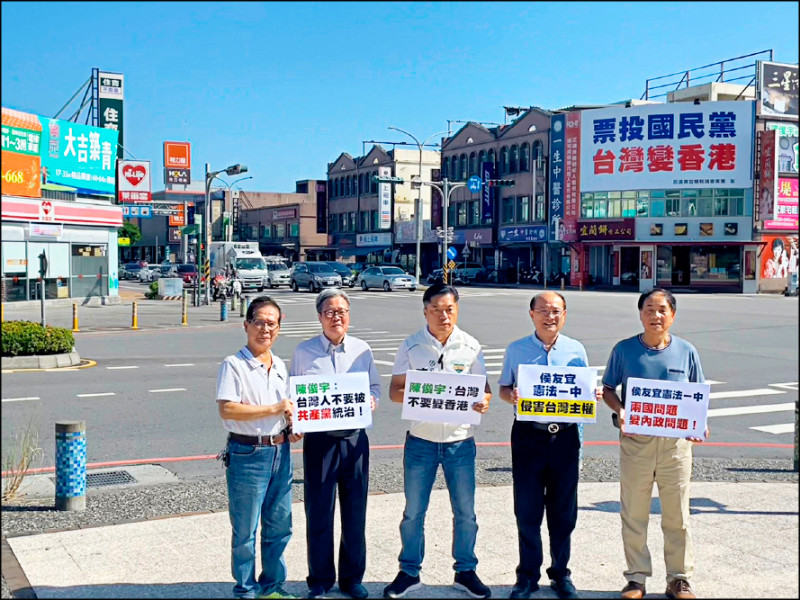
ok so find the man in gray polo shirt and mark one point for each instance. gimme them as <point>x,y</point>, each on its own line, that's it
<point>336,459</point>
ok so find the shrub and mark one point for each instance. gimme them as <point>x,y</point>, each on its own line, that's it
<point>153,293</point>
<point>24,338</point>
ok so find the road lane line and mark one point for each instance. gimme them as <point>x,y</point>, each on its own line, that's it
<point>168,390</point>
<point>180,365</point>
<point>21,399</point>
<point>95,395</point>
<point>383,362</point>
<point>782,428</point>
<point>744,393</point>
<point>749,410</point>
<point>789,385</point>
<point>126,367</point>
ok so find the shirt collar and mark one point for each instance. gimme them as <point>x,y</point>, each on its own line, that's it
<point>251,360</point>
<point>453,336</point>
<point>329,346</point>
<point>540,343</point>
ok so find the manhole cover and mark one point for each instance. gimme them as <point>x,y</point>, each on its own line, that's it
<point>108,478</point>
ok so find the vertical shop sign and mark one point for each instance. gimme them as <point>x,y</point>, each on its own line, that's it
<point>385,198</point>
<point>22,137</point>
<point>557,148</point>
<point>769,175</point>
<point>110,92</point>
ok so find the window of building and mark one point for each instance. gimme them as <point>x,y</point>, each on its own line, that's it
<point>523,214</point>
<point>445,166</point>
<point>664,264</point>
<point>673,203</point>
<point>600,208</point>
<point>347,185</point>
<point>475,212</point>
<point>513,161</point>
<point>373,185</point>
<point>462,214</point>
<point>587,206</point>
<point>539,214</point>
<point>537,151</point>
<point>721,207</point>
<point>503,160</point>
<point>614,209</point>
<point>525,157</point>
<point>454,168</point>
<point>280,230</point>
<point>507,210</point>
<point>451,215</point>
<point>492,158</point>
<point>473,164</point>
<point>266,231</point>
<point>376,220</point>
<point>481,160</point>
<point>294,230</point>
<point>462,174</point>
<point>711,264</point>
<point>628,207</point>
<point>352,221</point>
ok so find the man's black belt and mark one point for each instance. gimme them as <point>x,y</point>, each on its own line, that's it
<point>259,440</point>
<point>550,427</point>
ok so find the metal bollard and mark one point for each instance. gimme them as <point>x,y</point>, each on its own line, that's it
<point>75,317</point>
<point>185,309</point>
<point>562,283</point>
<point>2,312</point>
<point>233,302</point>
<point>135,316</point>
<point>70,465</point>
<point>223,310</point>
<point>244,303</point>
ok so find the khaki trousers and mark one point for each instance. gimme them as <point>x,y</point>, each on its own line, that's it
<point>668,462</point>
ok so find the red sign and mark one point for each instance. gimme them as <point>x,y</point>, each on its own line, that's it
<point>178,220</point>
<point>133,181</point>
<point>786,218</point>
<point>769,174</point>
<point>22,209</point>
<point>177,155</point>
<point>572,177</point>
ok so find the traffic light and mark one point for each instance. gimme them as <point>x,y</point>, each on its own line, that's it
<point>499,182</point>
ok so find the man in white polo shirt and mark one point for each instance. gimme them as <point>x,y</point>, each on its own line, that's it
<point>440,346</point>
<point>253,401</point>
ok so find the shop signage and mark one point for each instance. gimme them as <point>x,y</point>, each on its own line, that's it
<point>533,233</point>
<point>165,210</point>
<point>768,184</point>
<point>284,213</point>
<point>487,172</point>
<point>677,145</point>
<point>139,211</point>
<point>787,146</point>
<point>109,102</point>
<point>385,198</point>
<point>47,229</point>
<point>174,235</point>
<point>178,219</point>
<point>22,135</point>
<point>623,229</point>
<point>78,213</point>
<point>565,176</point>
<point>373,239</point>
<point>405,232</point>
<point>777,89</point>
<point>134,181</point>
<point>177,162</point>
<point>464,236</point>
<point>786,217</point>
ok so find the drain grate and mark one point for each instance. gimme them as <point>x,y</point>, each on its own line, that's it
<point>109,478</point>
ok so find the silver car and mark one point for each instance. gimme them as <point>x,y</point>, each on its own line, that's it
<point>278,274</point>
<point>388,278</point>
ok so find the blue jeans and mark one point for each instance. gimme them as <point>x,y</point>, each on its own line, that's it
<point>259,487</point>
<point>421,459</point>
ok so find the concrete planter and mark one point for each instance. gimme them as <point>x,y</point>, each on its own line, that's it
<point>44,361</point>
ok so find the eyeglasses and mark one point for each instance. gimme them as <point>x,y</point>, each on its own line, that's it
<point>341,313</point>
<point>549,313</point>
<point>259,324</point>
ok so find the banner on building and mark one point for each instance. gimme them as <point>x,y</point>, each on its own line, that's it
<point>385,198</point>
<point>134,181</point>
<point>558,136</point>
<point>677,146</point>
<point>659,408</point>
<point>110,96</point>
<point>786,207</point>
<point>22,136</point>
<point>442,397</point>
<point>620,229</point>
<point>768,168</point>
<point>330,402</point>
<point>177,163</point>
<point>779,257</point>
<point>550,394</point>
<point>487,191</point>
<point>787,146</point>
<point>777,89</point>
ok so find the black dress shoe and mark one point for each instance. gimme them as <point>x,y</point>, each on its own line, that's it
<point>524,588</point>
<point>564,587</point>
<point>316,591</point>
<point>355,590</point>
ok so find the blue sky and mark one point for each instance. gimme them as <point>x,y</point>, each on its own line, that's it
<point>286,87</point>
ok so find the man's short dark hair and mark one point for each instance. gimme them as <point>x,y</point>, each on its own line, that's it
<point>260,301</point>
<point>536,297</point>
<point>673,304</point>
<point>439,288</point>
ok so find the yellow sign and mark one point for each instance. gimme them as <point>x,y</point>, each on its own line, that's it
<point>124,241</point>
<point>451,265</point>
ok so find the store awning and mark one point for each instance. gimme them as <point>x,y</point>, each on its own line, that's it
<point>362,251</point>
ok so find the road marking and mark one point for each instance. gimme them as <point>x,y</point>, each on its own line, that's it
<point>749,410</point>
<point>782,428</point>
<point>168,390</point>
<point>95,395</point>
<point>21,399</point>
<point>383,362</point>
<point>493,372</point>
<point>383,339</point>
<point>387,349</point>
<point>743,393</point>
<point>180,365</point>
<point>487,350</point>
<point>386,374</point>
<point>126,367</point>
<point>790,385</point>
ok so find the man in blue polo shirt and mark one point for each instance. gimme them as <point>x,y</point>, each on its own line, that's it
<point>545,457</point>
<point>654,354</point>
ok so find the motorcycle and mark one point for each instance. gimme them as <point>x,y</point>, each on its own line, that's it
<point>221,287</point>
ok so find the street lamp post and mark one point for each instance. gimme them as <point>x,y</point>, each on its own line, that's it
<point>418,211</point>
<point>205,262</point>
<point>227,233</point>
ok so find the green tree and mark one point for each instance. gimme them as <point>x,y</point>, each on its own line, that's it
<point>130,230</point>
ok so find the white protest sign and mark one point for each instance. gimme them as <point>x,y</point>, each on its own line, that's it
<point>550,394</point>
<point>330,402</point>
<point>666,408</point>
<point>443,397</point>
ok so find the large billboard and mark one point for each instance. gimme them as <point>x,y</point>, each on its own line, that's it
<point>110,97</point>
<point>777,89</point>
<point>177,163</point>
<point>70,154</point>
<point>768,169</point>
<point>667,146</point>
<point>786,218</point>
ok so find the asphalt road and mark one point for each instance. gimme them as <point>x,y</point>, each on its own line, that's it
<point>151,393</point>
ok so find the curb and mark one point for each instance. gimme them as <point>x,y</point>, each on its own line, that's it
<point>44,361</point>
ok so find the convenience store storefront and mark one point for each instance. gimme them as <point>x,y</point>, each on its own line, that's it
<point>79,240</point>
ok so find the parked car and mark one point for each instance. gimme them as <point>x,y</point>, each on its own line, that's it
<point>130,270</point>
<point>470,271</point>
<point>314,275</point>
<point>146,274</point>
<point>389,278</point>
<point>188,272</point>
<point>344,272</point>
<point>278,274</point>
<point>357,267</point>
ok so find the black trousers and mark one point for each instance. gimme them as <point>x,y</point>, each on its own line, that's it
<point>330,463</point>
<point>545,470</point>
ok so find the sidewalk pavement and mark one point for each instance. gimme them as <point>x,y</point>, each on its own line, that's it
<point>745,536</point>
